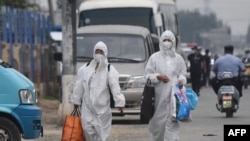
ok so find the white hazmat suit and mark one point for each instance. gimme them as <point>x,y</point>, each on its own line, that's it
<point>92,92</point>
<point>166,61</point>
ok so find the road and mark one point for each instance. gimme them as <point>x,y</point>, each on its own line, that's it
<point>206,120</point>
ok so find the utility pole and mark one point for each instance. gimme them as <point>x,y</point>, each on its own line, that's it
<point>51,12</point>
<point>68,61</point>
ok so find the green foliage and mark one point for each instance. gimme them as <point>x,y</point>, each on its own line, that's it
<point>192,23</point>
<point>22,4</point>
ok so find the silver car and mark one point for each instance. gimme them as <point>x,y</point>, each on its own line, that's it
<point>129,48</point>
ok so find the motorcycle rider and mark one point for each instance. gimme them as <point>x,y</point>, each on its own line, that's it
<point>228,63</point>
<point>246,73</point>
<point>246,58</point>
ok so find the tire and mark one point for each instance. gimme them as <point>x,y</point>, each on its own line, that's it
<point>246,86</point>
<point>144,119</point>
<point>229,113</point>
<point>245,80</point>
<point>8,130</point>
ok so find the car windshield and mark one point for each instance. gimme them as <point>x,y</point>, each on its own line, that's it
<point>125,16</point>
<point>121,48</point>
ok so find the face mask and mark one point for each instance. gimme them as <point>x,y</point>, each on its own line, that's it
<point>166,45</point>
<point>98,57</point>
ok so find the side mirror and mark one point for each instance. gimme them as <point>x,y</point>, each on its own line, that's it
<point>158,20</point>
<point>58,56</point>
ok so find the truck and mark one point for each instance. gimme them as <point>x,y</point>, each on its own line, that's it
<point>20,117</point>
<point>155,15</point>
<point>169,15</point>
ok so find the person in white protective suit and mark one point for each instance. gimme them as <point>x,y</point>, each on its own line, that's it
<point>165,69</point>
<point>91,90</point>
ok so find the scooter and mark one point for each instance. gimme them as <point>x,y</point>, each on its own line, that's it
<point>228,96</point>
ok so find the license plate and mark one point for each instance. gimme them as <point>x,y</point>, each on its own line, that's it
<point>227,101</point>
<point>227,104</point>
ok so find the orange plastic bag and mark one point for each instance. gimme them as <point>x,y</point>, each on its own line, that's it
<point>72,128</point>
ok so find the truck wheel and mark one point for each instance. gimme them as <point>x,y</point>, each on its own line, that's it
<point>8,130</point>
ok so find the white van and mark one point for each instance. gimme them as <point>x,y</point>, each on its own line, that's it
<point>129,48</point>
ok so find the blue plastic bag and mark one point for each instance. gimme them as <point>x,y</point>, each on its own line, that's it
<point>182,105</point>
<point>192,98</point>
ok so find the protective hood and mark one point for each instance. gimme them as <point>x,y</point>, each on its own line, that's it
<point>167,35</point>
<point>102,46</point>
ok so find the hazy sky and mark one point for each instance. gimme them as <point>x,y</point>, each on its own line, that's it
<point>234,13</point>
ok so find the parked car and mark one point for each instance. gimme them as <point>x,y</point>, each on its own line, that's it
<point>20,117</point>
<point>129,48</point>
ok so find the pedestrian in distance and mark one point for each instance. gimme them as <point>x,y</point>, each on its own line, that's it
<point>246,58</point>
<point>197,67</point>
<point>228,63</point>
<point>216,56</point>
<point>91,91</point>
<point>206,74</point>
<point>165,69</point>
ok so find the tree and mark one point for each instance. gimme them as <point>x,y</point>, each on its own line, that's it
<point>248,35</point>
<point>192,23</point>
<point>68,47</point>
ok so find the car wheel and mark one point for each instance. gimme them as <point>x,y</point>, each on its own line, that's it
<point>8,130</point>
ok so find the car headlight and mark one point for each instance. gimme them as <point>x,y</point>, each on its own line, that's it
<point>26,97</point>
<point>136,82</point>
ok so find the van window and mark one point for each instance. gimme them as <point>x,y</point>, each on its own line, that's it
<point>121,48</point>
<point>125,16</point>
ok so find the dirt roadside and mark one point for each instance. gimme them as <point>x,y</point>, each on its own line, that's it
<point>50,109</point>
<point>53,132</point>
